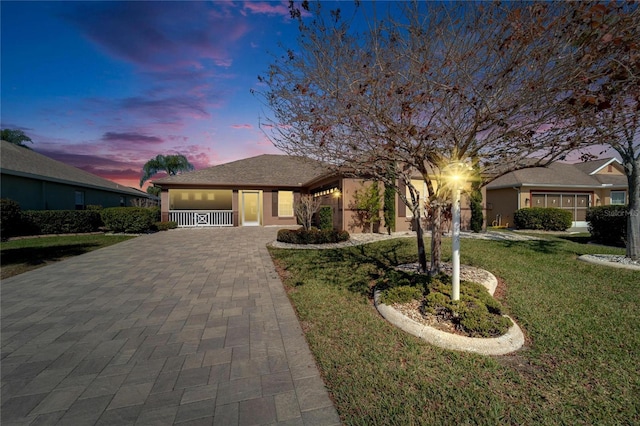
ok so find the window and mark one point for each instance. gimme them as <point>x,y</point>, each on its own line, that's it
<point>618,197</point>
<point>285,203</point>
<point>79,200</point>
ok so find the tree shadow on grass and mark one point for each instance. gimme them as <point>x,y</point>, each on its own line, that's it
<point>540,246</point>
<point>34,256</point>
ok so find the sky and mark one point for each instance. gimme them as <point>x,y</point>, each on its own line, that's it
<point>106,86</point>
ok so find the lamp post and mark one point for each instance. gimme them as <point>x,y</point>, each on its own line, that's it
<point>457,174</point>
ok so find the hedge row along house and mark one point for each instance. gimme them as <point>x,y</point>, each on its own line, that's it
<point>38,182</point>
<point>262,191</point>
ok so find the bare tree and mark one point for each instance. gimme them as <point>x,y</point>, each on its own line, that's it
<point>305,208</point>
<point>429,85</point>
<point>605,89</point>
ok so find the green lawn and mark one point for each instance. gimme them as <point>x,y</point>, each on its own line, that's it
<point>580,364</point>
<point>18,256</point>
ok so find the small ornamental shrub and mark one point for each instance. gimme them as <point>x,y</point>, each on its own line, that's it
<point>312,236</point>
<point>477,313</point>
<point>400,294</point>
<point>165,226</point>
<point>44,222</point>
<point>9,218</point>
<point>608,224</point>
<point>543,218</point>
<point>133,220</point>
<point>477,217</point>
<point>326,217</point>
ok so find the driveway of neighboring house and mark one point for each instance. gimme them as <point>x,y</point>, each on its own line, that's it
<point>188,326</point>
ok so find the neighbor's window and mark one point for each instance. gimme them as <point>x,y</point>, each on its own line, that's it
<point>79,200</point>
<point>285,203</point>
<point>618,197</point>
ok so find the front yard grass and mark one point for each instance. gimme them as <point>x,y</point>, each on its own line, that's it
<point>22,255</point>
<point>579,366</point>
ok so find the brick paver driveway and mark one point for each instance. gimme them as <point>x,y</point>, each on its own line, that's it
<point>188,326</point>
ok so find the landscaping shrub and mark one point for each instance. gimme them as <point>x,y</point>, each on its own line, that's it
<point>477,313</point>
<point>44,222</point>
<point>133,220</point>
<point>326,217</point>
<point>608,224</point>
<point>543,218</point>
<point>477,217</point>
<point>400,294</point>
<point>9,218</point>
<point>312,236</point>
<point>165,226</point>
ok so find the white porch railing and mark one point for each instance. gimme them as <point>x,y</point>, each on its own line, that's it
<point>195,218</point>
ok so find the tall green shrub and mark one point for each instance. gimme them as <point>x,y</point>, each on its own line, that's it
<point>543,218</point>
<point>326,217</point>
<point>608,224</point>
<point>133,220</point>
<point>9,218</point>
<point>475,200</point>
<point>389,208</point>
<point>367,204</point>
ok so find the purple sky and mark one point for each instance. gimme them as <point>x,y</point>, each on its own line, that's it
<point>105,86</point>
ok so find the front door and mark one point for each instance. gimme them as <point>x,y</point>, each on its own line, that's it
<point>250,208</point>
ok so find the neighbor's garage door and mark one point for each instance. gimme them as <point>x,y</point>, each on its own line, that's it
<point>576,203</point>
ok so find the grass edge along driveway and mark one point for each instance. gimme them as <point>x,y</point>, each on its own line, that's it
<point>21,255</point>
<point>579,366</point>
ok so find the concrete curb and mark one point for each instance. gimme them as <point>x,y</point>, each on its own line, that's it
<point>509,342</point>
<point>590,259</point>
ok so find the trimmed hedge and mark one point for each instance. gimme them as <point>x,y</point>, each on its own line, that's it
<point>543,218</point>
<point>311,236</point>
<point>134,220</point>
<point>43,222</point>
<point>608,224</point>
<point>165,226</point>
<point>9,218</point>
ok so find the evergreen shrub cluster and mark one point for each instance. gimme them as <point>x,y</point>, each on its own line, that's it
<point>312,236</point>
<point>44,222</point>
<point>134,220</point>
<point>543,218</point>
<point>608,224</point>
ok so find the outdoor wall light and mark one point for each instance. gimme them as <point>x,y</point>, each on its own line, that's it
<point>456,175</point>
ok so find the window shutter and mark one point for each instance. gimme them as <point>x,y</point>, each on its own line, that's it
<point>274,203</point>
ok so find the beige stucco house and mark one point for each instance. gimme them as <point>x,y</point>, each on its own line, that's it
<point>261,191</point>
<point>574,187</point>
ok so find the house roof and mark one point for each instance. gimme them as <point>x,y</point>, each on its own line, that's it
<point>19,161</point>
<point>580,175</point>
<point>263,170</point>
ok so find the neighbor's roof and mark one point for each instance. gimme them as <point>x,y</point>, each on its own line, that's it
<point>561,175</point>
<point>19,161</point>
<point>263,170</point>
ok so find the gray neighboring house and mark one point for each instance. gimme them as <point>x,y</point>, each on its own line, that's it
<point>38,182</point>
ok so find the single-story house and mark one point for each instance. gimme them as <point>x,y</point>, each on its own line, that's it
<point>574,187</point>
<point>261,191</point>
<point>38,182</point>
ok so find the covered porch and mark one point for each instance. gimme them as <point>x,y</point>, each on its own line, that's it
<point>201,207</point>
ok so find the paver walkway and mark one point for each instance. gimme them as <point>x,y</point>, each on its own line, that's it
<point>190,326</point>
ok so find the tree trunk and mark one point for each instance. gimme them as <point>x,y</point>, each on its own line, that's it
<point>633,219</point>
<point>436,239</point>
<point>422,254</point>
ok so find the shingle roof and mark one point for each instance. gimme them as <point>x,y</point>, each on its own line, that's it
<point>559,174</point>
<point>263,170</point>
<point>20,161</point>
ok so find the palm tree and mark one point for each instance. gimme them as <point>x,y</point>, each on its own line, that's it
<point>172,164</point>
<point>16,137</point>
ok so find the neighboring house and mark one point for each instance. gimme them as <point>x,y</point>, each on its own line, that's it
<point>38,182</point>
<point>573,187</point>
<point>261,191</point>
